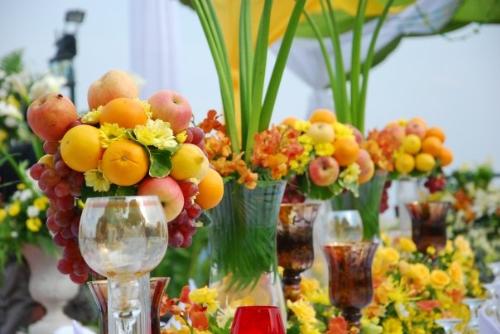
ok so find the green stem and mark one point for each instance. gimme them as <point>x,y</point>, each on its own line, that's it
<point>15,167</point>
<point>355,60</point>
<point>279,66</point>
<point>36,144</point>
<point>329,68</point>
<point>368,64</point>
<point>246,61</point>
<point>344,116</point>
<point>259,72</point>
<point>216,44</point>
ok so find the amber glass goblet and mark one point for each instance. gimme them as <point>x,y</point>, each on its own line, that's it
<point>295,244</point>
<point>428,224</point>
<point>350,273</point>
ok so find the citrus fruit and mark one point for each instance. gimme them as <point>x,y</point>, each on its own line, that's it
<point>211,190</point>
<point>436,132</point>
<point>346,151</point>
<point>432,145</point>
<point>80,148</point>
<point>289,121</point>
<point>425,162</point>
<point>125,163</point>
<point>446,156</point>
<point>189,162</point>
<point>412,144</point>
<point>125,112</point>
<point>405,163</point>
<point>323,116</point>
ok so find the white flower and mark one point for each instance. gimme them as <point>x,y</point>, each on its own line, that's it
<point>19,81</point>
<point>47,84</point>
<point>7,109</point>
<point>11,122</point>
<point>25,195</point>
<point>33,211</point>
<point>14,234</point>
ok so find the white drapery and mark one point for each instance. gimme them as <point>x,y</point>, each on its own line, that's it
<point>153,43</point>
<point>423,17</point>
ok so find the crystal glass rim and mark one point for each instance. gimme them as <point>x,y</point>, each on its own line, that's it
<point>428,202</point>
<point>362,242</point>
<point>143,200</point>
<point>268,307</point>
<point>308,204</point>
<point>105,281</point>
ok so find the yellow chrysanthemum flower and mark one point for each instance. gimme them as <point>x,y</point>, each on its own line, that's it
<point>463,246</point>
<point>456,273</point>
<point>110,132</point>
<point>351,173</point>
<point>312,291</point>
<point>306,315</point>
<point>324,149</point>
<point>342,131</point>
<point>156,133</point>
<point>389,255</point>
<point>34,224</point>
<point>206,297</point>
<point>147,107</point>
<point>439,279</point>
<point>419,274</point>
<point>3,215</point>
<point>41,203</point>
<point>407,245</point>
<point>93,116</point>
<point>95,178</point>
<point>181,136</point>
<point>301,125</point>
<point>393,326</point>
<point>14,209</point>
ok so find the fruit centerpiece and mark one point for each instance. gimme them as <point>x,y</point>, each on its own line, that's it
<point>123,146</point>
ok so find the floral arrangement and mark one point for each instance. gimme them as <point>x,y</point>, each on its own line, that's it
<point>21,222</point>
<point>18,88</point>
<point>321,155</point>
<point>122,146</point>
<point>411,291</point>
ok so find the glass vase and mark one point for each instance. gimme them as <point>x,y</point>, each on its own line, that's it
<point>407,191</point>
<point>367,203</point>
<point>428,222</point>
<point>295,244</point>
<point>99,290</point>
<point>242,242</point>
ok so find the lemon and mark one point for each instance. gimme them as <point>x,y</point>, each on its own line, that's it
<point>425,162</point>
<point>405,163</point>
<point>80,148</point>
<point>412,144</point>
<point>189,162</point>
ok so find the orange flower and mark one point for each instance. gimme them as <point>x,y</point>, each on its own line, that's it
<point>198,316</point>
<point>456,295</point>
<point>428,305</point>
<point>337,325</point>
<point>211,122</point>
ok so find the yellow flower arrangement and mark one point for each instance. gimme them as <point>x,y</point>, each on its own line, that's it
<point>306,316</point>
<point>34,224</point>
<point>156,133</point>
<point>93,116</point>
<point>95,179</point>
<point>206,297</point>
<point>439,279</point>
<point>110,132</point>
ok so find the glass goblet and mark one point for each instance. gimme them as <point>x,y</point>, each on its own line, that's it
<point>350,274</point>
<point>448,324</point>
<point>257,320</point>
<point>123,239</point>
<point>473,304</point>
<point>343,226</point>
<point>428,221</point>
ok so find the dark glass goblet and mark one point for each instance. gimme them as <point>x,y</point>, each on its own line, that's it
<point>428,223</point>
<point>350,272</point>
<point>295,244</point>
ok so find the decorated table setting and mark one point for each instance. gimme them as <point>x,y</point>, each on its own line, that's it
<point>276,227</point>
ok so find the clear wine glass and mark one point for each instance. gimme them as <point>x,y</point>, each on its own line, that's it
<point>343,226</point>
<point>123,239</point>
<point>448,324</point>
<point>473,304</point>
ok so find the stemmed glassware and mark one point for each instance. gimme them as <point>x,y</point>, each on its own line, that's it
<point>124,239</point>
<point>448,324</point>
<point>473,304</point>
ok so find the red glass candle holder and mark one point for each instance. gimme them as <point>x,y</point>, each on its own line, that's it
<point>350,273</point>
<point>257,320</point>
<point>428,222</point>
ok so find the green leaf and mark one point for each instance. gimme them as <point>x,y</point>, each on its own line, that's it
<point>345,23</point>
<point>246,61</point>
<point>160,162</point>
<point>12,63</point>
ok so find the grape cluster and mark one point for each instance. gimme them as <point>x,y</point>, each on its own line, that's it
<point>435,183</point>
<point>384,201</point>
<point>196,136</point>
<point>182,228</point>
<point>62,185</point>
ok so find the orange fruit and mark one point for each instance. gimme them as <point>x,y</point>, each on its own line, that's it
<point>211,190</point>
<point>346,151</point>
<point>323,116</point>
<point>125,112</point>
<point>289,121</point>
<point>436,132</point>
<point>432,145</point>
<point>425,162</point>
<point>80,148</point>
<point>125,163</point>
<point>446,156</point>
<point>405,163</point>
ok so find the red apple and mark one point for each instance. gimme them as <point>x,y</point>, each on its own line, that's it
<point>366,165</point>
<point>112,85</point>
<point>416,127</point>
<point>324,171</point>
<point>357,134</point>
<point>169,193</point>
<point>51,115</point>
<point>171,107</point>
